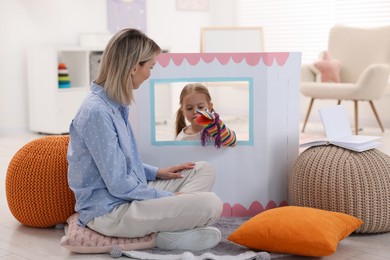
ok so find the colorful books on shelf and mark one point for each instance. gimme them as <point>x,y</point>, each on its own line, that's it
<point>338,132</point>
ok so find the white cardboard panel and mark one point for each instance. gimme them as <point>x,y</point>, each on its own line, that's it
<point>254,171</point>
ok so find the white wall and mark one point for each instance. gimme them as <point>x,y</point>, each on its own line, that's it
<point>27,22</point>
<point>179,31</point>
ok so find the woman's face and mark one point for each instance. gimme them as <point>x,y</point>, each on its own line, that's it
<point>193,102</point>
<point>142,72</point>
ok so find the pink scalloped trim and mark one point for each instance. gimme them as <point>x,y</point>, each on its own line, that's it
<point>255,208</point>
<point>251,59</point>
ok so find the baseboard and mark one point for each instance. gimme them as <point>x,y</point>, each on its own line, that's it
<point>13,130</point>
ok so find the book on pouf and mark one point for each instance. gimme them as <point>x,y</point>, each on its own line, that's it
<point>338,132</point>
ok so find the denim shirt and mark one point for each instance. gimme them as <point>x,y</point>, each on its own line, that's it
<point>104,166</point>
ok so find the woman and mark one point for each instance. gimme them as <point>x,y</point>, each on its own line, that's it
<point>116,193</point>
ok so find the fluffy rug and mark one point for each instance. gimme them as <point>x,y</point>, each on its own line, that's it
<point>224,250</point>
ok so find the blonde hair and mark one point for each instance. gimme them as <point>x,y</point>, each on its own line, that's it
<point>127,48</point>
<point>189,89</point>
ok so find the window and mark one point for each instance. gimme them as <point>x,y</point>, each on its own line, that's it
<point>303,25</point>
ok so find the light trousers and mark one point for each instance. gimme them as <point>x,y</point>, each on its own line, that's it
<point>196,207</point>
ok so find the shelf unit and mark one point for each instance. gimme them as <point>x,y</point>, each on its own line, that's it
<point>51,109</point>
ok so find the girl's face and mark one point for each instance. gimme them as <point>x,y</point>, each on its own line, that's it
<point>142,72</point>
<point>193,102</point>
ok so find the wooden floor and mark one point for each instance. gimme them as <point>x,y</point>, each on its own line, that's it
<point>20,242</point>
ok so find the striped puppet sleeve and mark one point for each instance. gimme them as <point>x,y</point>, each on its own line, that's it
<point>213,127</point>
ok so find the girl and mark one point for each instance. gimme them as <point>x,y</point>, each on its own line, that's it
<point>194,97</point>
<point>196,107</point>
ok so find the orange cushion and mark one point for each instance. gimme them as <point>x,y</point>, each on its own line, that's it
<point>296,230</point>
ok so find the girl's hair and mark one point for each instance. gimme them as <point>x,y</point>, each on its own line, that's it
<point>127,48</point>
<point>189,89</point>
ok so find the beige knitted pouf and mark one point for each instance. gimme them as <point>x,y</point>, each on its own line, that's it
<point>337,179</point>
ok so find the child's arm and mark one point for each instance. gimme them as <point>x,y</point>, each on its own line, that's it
<point>214,127</point>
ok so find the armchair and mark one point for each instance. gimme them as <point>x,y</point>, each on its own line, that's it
<point>361,56</point>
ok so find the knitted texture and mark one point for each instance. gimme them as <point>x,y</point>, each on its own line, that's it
<point>215,128</point>
<point>85,240</point>
<point>37,189</point>
<point>337,179</point>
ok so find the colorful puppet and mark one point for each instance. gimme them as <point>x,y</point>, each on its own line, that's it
<point>215,128</point>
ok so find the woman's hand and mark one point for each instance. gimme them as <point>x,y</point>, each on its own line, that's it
<point>173,172</point>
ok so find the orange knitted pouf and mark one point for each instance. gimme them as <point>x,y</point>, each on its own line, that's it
<point>37,187</point>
